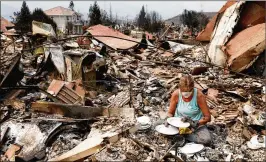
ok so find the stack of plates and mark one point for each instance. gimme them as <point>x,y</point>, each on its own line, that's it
<point>144,122</point>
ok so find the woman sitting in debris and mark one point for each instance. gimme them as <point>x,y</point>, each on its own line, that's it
<point>190,104</point>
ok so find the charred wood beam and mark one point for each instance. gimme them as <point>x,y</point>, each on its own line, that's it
<point>3,138</point>
<point>63,120</point>
<point>69,110</point>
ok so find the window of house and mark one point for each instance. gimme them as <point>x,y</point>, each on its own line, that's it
<point>67,17</point>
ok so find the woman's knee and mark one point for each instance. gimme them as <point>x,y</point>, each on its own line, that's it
<point>205,136</point>
<point>201,136</point>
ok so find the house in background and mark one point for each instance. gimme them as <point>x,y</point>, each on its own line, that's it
<point>66,19</point>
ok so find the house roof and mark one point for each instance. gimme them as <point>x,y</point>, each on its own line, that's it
<point>59,11</point>
<point>5,23</point>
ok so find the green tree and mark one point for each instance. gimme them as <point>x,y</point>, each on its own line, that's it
<point>203,20</point>
<point>71,5</point>
<point>110,14</point>
<point>107,19</point>
<point>39,15</point>
<point>104,18</point>
<point>23,19</point>
<point>141,18</point>
<point>156,22</point>
<point>147,22</point>
<point>194,20</point>
<point>190,19</point>
<point>94,14</point>
<point>151,22</point>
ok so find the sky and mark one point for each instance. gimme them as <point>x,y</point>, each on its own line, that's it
<point>123,9</point>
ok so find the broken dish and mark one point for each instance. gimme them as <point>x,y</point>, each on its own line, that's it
<point>170,130</point>
<point>144,120</point>
<point>143,127</point>
<point>176,121</point>
<point>257,142</point>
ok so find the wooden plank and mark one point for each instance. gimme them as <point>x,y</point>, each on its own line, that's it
<point>84,149</point>
<point>92,145</point>
<point>16,104</point>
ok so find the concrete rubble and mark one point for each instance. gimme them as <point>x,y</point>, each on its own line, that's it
<point>81,100</point>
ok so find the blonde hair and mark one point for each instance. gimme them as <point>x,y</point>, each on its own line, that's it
<point>186,81</point>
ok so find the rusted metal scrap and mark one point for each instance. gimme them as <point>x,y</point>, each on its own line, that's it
<point>252,14</point>
<point>111,42</point>
<point>245,46</point>
<point>205,34</point>
<point>223,32</point>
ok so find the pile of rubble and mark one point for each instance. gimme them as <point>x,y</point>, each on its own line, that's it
<point>67,101</point>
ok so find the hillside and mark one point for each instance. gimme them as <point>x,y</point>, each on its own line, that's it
<point>177,21</point>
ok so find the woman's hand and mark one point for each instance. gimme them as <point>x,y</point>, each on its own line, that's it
<point>193,123</point>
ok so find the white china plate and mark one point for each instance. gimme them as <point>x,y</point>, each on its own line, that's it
<point>170,130</point>
<point>191,148</point>
<point>176,121</point>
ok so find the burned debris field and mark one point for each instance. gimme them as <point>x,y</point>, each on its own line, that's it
<point>102,92</point>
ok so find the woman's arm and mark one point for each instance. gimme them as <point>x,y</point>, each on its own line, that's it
<point>204,108</point>
<point>173,103</point>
